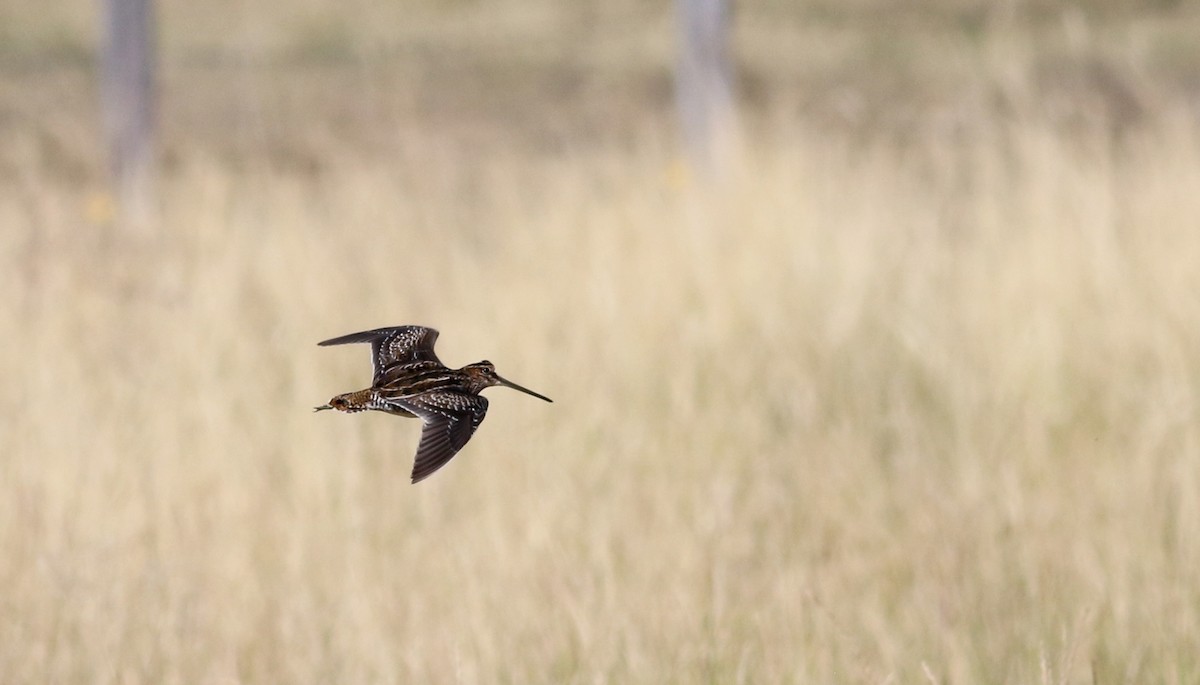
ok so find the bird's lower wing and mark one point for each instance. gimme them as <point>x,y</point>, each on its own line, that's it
<point>450,420</point>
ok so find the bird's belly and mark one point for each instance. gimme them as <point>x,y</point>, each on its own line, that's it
<point>397,411</point>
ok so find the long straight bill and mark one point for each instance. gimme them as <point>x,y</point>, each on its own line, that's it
<point>527,391</point>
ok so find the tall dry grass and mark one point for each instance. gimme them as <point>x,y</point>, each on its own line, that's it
<point>874,412</point>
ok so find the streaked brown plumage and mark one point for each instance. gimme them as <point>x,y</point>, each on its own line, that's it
<point>411,381</point>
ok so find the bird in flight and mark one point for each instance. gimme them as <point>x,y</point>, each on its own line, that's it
<point>411,381</point>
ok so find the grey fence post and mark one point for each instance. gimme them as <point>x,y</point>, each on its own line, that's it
<point>127,85</point>
<point>704,83</point>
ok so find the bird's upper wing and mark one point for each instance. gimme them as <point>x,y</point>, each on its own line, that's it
<point>450,420</point>
<point>394,345</point>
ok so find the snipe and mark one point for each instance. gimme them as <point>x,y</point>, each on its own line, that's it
<point>411,381</point>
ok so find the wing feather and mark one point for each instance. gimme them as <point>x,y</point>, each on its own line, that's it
<point>450,420</point>
<point>393,345</point>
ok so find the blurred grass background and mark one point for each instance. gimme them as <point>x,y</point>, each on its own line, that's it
<point>911,398</point>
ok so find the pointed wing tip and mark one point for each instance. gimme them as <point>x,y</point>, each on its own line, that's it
<point>359,337</point>
<point>421,471</point>
<point>418,477</point>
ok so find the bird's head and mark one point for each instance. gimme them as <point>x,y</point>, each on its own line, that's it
<point>483,375</point>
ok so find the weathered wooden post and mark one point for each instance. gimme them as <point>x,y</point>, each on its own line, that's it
<point>704,84</point>
<point>128,106</point>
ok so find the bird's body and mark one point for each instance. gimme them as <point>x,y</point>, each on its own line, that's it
<point>411,381</point>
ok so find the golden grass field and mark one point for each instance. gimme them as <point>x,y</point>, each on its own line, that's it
<point>912,397</point>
